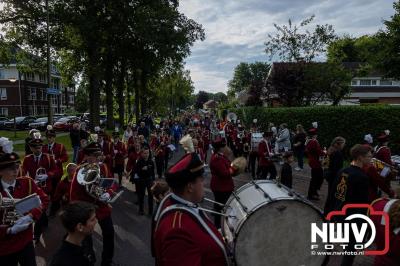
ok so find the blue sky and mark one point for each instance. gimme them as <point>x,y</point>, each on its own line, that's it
<point>237,29</point>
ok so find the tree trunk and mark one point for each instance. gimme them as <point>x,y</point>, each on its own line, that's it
<point>109,90</point>
<point>120,92</point>
<point>94,87</point>
<point>137,95</point>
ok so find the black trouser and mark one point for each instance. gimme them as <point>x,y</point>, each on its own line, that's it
<point>141,186</point>
<point>119,170</point>
<point>25,257</point>
<point>160,166</point>
<point>40,225</point>
<point>166,158</point>
<point>252,163</point>
<point>221,197</point>
<point>271,169</point>
<point>317,178</point>
<point>107,231</point>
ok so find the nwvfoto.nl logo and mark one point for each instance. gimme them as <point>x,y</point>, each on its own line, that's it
<point>333,235</point>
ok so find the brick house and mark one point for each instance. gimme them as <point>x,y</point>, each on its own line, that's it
<point>23,94</point>
<point>372,87</point>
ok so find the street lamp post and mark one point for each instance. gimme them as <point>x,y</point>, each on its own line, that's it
<point>50,111</point>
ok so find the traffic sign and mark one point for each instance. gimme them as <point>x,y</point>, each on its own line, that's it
<point>53,91</point>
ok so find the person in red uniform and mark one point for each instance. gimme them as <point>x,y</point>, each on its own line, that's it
<point>120,154</point>
<point>314,154</point>
<point>16,244</point>
<point>184,235</point>
<point>382,151</point>
<point>106,148</point>
<point>47,168</point>
<point>61,195</point>
<point>103,212</point>
<point>265,152</point>
<point>59,154</point>
<point>206,143</point>
<point>392,207</point>
<point>198,149</point>
<point>221,176</point>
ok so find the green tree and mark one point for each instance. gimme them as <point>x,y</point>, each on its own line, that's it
<point>389,38</point>
<point>202,97</point>
<point>294,43</point>
<point>246,75</point>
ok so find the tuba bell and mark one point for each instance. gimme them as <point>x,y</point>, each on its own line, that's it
<point>89,176</point>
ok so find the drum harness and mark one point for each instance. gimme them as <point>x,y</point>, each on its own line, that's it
<point>189,208</point>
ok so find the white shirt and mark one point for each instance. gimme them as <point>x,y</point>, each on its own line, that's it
<point>185,202</point>
<point>7,185</point>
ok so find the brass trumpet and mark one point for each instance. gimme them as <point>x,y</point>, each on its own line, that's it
<point>12,209</point>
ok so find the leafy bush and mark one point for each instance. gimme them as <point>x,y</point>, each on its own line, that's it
<point>350,122</point>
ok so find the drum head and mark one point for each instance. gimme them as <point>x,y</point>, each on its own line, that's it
<point>278,233</point>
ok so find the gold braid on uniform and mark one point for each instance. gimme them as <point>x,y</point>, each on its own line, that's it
<point>394,215</point>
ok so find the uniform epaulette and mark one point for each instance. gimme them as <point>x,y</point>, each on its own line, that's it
<point>24,177</point>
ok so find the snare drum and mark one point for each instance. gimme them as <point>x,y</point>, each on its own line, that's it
<point>270,225</point>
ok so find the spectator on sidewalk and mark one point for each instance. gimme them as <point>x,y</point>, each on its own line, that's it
<point>299,141</point>
<point>286,170</point>
<point>74,135</point>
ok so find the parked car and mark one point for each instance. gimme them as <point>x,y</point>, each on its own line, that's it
<point>22,122</point>
<point>40,124</point>
<point>2,121</point>
<point>65,123</point>
<point>57,117</point>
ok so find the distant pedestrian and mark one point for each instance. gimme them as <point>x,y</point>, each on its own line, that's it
<point>286,170</point>
<point>299,141</point>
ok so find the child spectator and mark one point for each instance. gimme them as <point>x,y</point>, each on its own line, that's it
<point>286,170</point>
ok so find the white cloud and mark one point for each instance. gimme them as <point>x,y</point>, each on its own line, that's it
<point>236,30</point>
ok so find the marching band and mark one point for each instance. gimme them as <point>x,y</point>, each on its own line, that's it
<point>182,231</point>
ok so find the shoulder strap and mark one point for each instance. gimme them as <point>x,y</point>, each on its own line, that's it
<point>199,219</point>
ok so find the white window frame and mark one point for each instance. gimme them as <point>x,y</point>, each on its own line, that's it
<point>3,94</point>
<point>4,111</point>
<point>71,99</point>
<point>367,81</point>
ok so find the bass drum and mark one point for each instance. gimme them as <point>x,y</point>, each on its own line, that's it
<point>272,226</point>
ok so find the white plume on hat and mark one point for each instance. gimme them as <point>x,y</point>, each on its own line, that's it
<point>314,124</point>
<point>97,129</point>
<point>187,143</point>
<point>37,135</point>
<point>387,132</point>
<point>6,145</point>
<point>49,127</point>
<point>33,131</point>
<point>368,138</point>
<point>116,129</point>
<point>255,120</point>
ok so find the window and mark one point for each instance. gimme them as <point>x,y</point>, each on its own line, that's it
<point>39,94</point>
<point>30,76</point>
<point>3,94</point>
<point>44,95</point>
<point>42,78</point>
<point>385,82</point>
<point>71,99</point>
<point>373,82</point>
<point>354,82</point>
<point>62,99</point>
<point>32,94</point>
<point>1,74</point>
<point>4,111</point>
<point>365,82</point>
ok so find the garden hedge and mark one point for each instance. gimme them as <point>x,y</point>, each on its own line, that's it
<point>350,122</point>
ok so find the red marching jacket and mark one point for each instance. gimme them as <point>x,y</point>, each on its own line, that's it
<point>383,153</point>
<point>264,150</point>
<point>180,240</point>
<point>79,193</point>
<point>221,173</point>
<point>24,186</point>
<point>29,167</point>
<point>108,152</point>
<point>314,152</point>
<point>132,159</point>
<point>81,156</point>
<point>62,191</point>
<point>392,258</point>
<point>60,157</point>
<point>119,153</point>
<point>376,181</point>
<point>206,140</point>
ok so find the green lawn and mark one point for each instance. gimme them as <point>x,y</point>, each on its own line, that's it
<point>10,134</point>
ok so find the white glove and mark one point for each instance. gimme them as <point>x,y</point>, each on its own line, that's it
<point>21,224</point>
<point>105,197</point>
<point>24,219</point>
